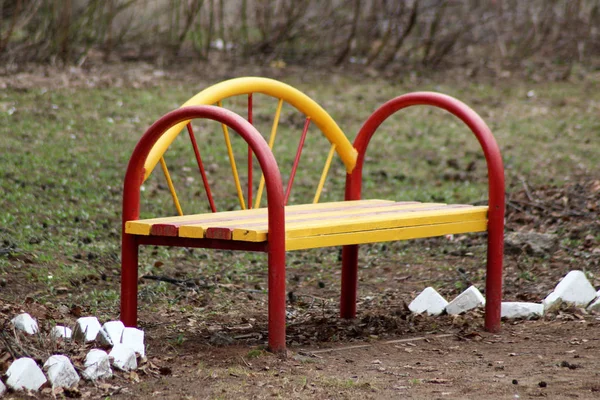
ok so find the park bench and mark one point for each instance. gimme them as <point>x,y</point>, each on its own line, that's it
<point>279,227</point>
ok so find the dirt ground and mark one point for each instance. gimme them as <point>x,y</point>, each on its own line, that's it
<point>557,359</point>
<point>531,359</point>
<point>386,352</point>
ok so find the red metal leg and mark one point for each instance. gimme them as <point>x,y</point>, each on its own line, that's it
<point>349,281</point>
<point>277,299</point>
<point>493,278</point>
<point>129,276</point>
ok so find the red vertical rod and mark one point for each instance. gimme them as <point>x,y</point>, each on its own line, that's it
<point>249,155</point>
<point>296,161</point>
<point>201,167</point>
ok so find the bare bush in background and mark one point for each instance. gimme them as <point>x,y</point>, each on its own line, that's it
<point>378,34</point>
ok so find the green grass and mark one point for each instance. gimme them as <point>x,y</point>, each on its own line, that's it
<point>64,154</point>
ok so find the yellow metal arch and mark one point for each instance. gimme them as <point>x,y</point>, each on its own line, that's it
<point>240,86</point>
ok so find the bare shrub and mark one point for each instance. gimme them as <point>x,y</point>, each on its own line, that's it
<point>375,33</point>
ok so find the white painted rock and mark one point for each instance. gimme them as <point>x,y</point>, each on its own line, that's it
<point>24,374</point>
<point>2,389</point>
<point>521,310</point>
<point>61,372</point>
<point>466,301</point>
<point>24,322</point>
<point>61,332</point>
<point>123,357</point>
<point>595,306</point>
<point>574,288</point>
<point>111,333</point>
<point>86,329</point>
<point>134,339</point>
<point>97,365</point>
<point>428,301</point>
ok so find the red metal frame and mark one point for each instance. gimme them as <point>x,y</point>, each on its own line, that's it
<point>275,247</point>
<point>493,288</point>
<point>276,200</point>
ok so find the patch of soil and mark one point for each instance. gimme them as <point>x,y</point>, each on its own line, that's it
<point>529,358</point>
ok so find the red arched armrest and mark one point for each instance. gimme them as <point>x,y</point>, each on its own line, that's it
<point>495,180</point>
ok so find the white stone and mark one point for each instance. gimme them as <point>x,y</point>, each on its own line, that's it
<point>25,323</point>
<point>428,301</point>
<point>466,301</point>
<point>111,333</point>
<point>97,365</point>
<point>24,374</point>
<point>61,332</point>
<point>61,372</point>
<point>574,288</point>
<point>521,310</point>
<point>134,339</point>
<point>86,329</point>
<point>595,306</point>
<point>123,357</point>
<point>2,389</point>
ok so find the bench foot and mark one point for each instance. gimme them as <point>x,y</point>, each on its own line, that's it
<point>493,281</point>
<point>277,298</point>
<point>129,277</point>
<point>349,281</point>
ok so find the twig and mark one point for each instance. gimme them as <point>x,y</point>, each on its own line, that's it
<point>362,346</point>
<point>166,279</point>
<point>526,188</point>
<point>253,291</point>
<point>183,283</point>
<point>527,203</point>
<point>7,345</point>
<point>10,343</point>
<point>247,335</point>
<point>510,203</point>
<point>245,362</point>
<point>313,297</point>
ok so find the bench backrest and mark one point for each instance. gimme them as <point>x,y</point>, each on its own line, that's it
<point>281,93</point>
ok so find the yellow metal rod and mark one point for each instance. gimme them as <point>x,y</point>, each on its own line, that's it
<point>163,164</point>
<point>324,174</point>
<point>236,177</point>
<point>261,185</point>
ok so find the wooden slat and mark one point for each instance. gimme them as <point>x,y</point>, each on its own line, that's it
<point>143,226</point>
<point>164,230</point>
<point>260,223</point>
<point>385,235</point>
<point>376,221</point>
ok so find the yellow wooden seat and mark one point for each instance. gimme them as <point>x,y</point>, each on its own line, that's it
<point>326,224</point>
